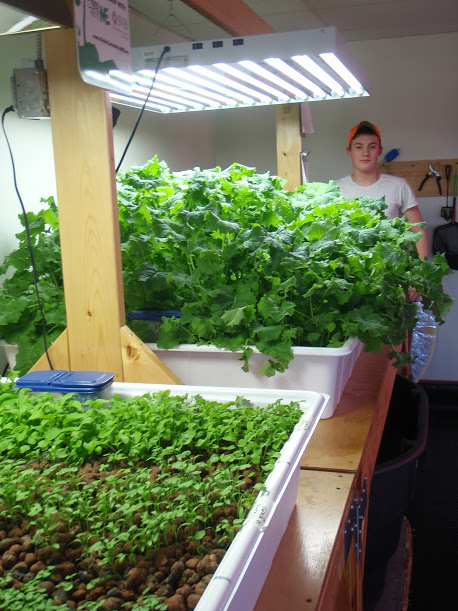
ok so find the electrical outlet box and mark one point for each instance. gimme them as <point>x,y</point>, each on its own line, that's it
<point>30,93</point>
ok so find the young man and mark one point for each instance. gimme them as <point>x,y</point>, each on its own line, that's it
<point>364,148</point>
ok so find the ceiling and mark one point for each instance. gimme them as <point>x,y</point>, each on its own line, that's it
<point>166,21</point>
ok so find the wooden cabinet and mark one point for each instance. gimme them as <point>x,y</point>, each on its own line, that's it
<point>319,564</point>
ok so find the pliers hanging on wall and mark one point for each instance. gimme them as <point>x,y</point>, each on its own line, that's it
<point>432,174</point>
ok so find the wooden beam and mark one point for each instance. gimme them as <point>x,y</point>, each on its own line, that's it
<point>57,11</point>
<point>87,204</point>
<point>289,144</point>
<point>96,337</point>
<point>233,16</point>
<point>141,364</point>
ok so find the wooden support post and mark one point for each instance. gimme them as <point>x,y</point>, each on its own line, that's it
<point>289,144</point>
<point>86,192</point>
<point>81,121</point>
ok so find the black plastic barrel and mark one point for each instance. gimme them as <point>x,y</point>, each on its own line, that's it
<point>393,484</point>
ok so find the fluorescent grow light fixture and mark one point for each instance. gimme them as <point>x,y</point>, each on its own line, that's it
<point>279,68</point>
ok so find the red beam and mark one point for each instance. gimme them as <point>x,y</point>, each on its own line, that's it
<point>233,16</point>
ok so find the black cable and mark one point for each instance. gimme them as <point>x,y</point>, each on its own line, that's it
<point>29,239</point>
<point>165,50</point>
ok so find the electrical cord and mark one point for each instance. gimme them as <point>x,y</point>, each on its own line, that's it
<point>29,240</point>
<point>165,50</point>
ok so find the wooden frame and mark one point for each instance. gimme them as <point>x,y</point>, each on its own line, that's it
<point>96,337</point>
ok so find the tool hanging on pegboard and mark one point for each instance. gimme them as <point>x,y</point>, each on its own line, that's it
<point>433,173</point>
<point>445,237</point>
<point>447,211</point>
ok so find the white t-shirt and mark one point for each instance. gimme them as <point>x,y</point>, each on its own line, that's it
<point>399,196</point>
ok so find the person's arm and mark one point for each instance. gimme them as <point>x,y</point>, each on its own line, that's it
<point>413,215</point>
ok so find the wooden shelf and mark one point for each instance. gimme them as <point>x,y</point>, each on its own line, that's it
<point>296,577</point>
<point>310,570</point>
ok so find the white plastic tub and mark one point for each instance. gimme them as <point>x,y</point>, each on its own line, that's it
<point>323,370</point>
<point>238,581</point>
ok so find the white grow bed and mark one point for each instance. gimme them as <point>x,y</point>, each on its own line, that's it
<point>236,584</point>
<point>323,370</point>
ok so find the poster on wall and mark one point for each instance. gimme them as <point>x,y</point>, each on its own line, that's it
<point>103,42</point>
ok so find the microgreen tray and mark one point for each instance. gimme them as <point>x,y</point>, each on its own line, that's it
<point>236,584</point>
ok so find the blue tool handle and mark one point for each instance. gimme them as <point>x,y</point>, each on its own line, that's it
<point>391,155</point>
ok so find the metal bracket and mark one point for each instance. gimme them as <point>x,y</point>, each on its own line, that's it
<point>353,524</point>
<point>361,510</point>
<point>350,526</point>
<point>304,166</point>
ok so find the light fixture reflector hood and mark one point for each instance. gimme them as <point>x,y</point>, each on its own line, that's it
<point>285,67</point>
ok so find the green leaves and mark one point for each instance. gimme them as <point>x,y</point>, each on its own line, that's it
<point>137,470</point>
<point>247,263</point>
<point>20,319</point>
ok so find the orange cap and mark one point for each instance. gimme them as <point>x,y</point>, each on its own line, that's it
<point>364,124</point>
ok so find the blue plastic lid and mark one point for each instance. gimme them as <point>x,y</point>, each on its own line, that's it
<point>152,314</point>
<point>61,380</point>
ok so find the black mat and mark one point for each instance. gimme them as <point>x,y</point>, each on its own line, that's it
<point>434,513</point>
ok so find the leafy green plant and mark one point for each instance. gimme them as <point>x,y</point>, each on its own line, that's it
<point>183,435</point>
<point>20,319</point>
<point>28,596</point>
<point>250,264</point>
<point>194,478</point>
<point>245,261</point>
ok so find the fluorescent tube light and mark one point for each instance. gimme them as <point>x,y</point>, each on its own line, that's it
<point>159,95</point>
<point>185,86</point>
<point>316,70</point>
<point>342,71</point>
<point>285,67</point>
<point>132,101</point>
<point>282,66</point>
<point>188,99</point>
<point>247,78</point>
<point>213,75</point>
<point>188,75</point>
<point>290,89</point>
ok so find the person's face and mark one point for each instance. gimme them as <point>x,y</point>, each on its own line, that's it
<point>364,152</point>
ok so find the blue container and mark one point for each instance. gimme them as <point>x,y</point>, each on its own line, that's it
<point>86,384</point>
<point>152,314</point>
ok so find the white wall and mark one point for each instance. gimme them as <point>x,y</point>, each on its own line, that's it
<point>183,141</point>
<point>413,102</point>
<point>247,136</point>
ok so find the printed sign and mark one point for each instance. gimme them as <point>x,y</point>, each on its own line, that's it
<point>103,42</point>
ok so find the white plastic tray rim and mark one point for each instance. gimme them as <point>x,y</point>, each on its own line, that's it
<point>221,594</point>
<point>346,348</point>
